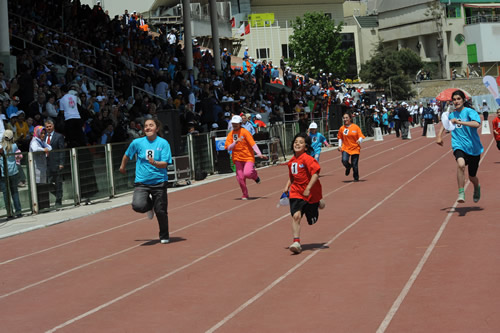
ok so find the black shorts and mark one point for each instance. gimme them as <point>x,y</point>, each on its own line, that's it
<point>311,210</point>
<point>498,145</point>
<point>470,160</point>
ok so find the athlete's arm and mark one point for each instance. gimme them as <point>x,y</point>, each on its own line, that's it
<point>313,180</point>
<point>471,123</point>
<point>439,138</point>
<point>288,184</point>
<point>125,160</point>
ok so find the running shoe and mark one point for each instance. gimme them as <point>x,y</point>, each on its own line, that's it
<point>295,248</point>
<point>257,180</point>
<point>164,241</point>
<point>151,214</point>
<point>244,198</point>
<point>461,197</point>
<point>347,171</point>
<point>477,193</point>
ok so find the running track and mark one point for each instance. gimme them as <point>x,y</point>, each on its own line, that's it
<point>391,253</point>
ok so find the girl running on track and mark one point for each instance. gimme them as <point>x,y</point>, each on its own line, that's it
<point>496,129</point>
<point>465,143</point>
<point>350,138</point>
<point>242,145</point>
<point>151,178</point>
<point>317,140</point>
<point>304,187</point>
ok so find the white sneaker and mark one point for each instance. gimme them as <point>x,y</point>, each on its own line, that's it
<point>164,241</point>
<point>295,248</point>
<point>151,214</point>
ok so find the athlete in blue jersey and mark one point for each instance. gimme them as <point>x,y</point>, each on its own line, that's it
<point>465,143</point>
<point>317,140</point>
<point>150,192</point>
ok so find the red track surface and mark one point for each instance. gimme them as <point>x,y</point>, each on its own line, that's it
<point>389,253</point>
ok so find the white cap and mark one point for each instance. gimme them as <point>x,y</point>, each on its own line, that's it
<point>258,116</point>
<point>313,125</point>
<point>484,101</point>
<point>215,125</point>
<point>236,120</point>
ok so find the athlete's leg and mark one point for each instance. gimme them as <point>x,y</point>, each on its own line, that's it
<point>141,201</point>
<point>461,172</point>
<point>240,177</point>
<point>354,162</point>
<point>249,171</point>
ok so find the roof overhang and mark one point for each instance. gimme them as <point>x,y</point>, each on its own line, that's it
<point>482,5</point>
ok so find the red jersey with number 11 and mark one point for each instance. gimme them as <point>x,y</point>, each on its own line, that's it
<point>300,170</point>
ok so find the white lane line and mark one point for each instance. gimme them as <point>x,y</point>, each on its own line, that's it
<point>113,254</point>
<point>172,209</point>
<point>310,256</point>
<point>406,289</point>
<point>164,276</point>
<point>180,229</point>
<point>88,313</point>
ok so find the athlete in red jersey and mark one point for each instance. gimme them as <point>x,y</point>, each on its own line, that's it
<point>304,187</point>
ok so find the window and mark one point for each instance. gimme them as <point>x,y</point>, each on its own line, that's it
<point>329,15</point>
<point>262,53</point>
<point>453,11</point>
<point>286,52</point>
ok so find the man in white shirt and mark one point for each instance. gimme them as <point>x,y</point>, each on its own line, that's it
<point>72,119</point>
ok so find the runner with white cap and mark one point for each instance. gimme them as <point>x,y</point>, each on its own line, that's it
<point>242,146</point>
<point>317,139</point>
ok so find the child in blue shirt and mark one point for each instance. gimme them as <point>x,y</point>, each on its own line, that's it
<point>317,139</point>
<point>465,143</point>
<point>150,193</point>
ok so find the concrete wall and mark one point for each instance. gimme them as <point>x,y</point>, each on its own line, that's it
<point>486,37</point>
<point>289,13</point>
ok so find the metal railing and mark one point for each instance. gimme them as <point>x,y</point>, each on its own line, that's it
<point>92,173</point>
<point>482,19</point>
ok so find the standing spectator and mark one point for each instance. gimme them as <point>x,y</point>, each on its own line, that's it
<point>404,116</point>
<point>41,150</point>
<point>428,117</point>
<point>485,109</point>
<point>55,161</point>
<point>72,120</point>
<point>7,148</point>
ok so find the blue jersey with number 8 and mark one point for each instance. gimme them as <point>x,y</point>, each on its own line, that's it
<point>159,150</point>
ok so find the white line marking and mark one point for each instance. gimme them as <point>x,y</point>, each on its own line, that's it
<point>96,309</point>
<point>172,209</point>
<point>406,289</point>
<point>309,257</point>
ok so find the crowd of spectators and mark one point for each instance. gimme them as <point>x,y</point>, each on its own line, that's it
<point>53,63</point>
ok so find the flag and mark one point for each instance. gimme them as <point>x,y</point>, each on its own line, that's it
<point>233,23</point>
<point>244,29</point>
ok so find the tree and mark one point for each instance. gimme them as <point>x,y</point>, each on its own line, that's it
<point>391,70</point>
<point>316,43</point>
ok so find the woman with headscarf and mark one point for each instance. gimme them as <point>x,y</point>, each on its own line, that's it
<point>8,147</point>
<point>40,148</point>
